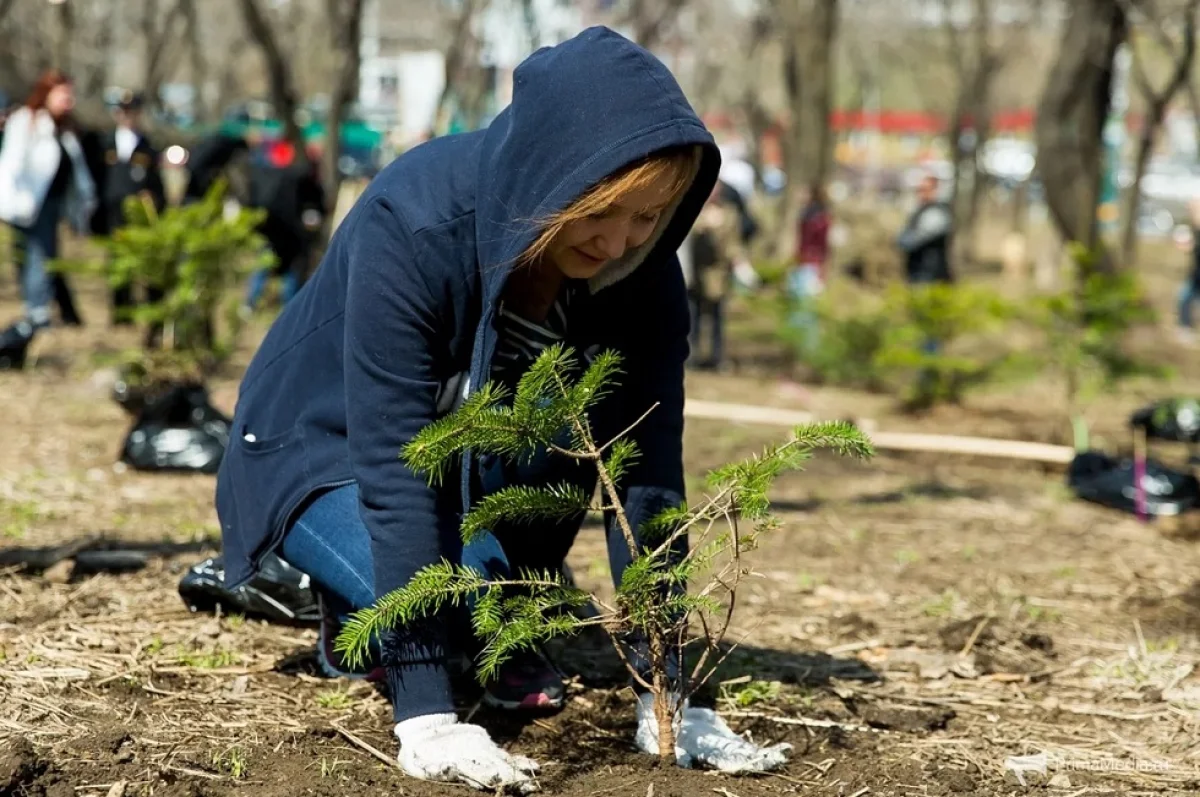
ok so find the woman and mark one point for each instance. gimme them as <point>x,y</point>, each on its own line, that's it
<point>460,262</point>
<point>807,279</point>
<point>44,178</point>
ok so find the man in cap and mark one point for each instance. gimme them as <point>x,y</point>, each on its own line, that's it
<point>130,168</point>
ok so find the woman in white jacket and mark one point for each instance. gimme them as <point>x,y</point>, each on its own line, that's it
<point>44,178</point>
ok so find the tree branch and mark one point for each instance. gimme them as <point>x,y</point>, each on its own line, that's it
<point>648,26</point>
<point>283,90</point>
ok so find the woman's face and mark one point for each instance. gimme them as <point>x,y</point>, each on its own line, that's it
<point>586,246</point>
<point>60,100</point>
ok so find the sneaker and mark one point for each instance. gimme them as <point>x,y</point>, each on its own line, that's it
<point>329,660</point>
<point>527,682</point>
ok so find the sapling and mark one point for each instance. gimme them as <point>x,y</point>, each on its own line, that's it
<point>192,255</point>
<point>549,413</point>
<point>1086,328</point>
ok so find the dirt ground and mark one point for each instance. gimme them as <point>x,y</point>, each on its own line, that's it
<point>917,621</point>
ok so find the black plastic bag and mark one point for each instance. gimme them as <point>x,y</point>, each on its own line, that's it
<point>95,554</point>
<point>1097,477</point>
<point>279,593</point>
<point>1175,419</point>
<point>178,430</point>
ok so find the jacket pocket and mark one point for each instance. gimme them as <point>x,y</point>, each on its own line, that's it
<point>267,479</point>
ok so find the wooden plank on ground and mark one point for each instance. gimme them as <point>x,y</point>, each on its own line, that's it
<point>887,441</point>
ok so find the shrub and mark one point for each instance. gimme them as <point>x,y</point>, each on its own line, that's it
<point>193,254</point>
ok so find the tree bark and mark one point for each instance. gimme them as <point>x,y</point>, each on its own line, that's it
<point>648,19</point>
<point>202,106</point>
<point>96,78</point>
<point>1071,116</point>
<point>279,72</point>
<point>158,43</point>
<point>809,38</point>
<point>345,20</point>
<point>1156,112</point>
<point>66,34</point>
<point>457,55</point>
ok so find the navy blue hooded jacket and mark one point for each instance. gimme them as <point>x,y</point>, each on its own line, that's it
<point>405,297</point>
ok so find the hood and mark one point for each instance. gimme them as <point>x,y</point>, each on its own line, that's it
<point>582,110</point>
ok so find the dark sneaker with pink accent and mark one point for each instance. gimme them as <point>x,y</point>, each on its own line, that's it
<point>527,682</point>
<point>329,660</point>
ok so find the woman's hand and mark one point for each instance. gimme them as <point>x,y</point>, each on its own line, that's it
<point>438,747</point>
<point>703,739</point>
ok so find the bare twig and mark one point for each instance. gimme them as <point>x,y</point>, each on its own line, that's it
<point>350,737</point>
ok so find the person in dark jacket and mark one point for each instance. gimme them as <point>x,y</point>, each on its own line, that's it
<point>925,242</point>
<point>130,167</point>
<point>458,264</point>
<point>208,159</point>
<point>926,237</point>
<point>1189,292</point>
<point>285,181</point>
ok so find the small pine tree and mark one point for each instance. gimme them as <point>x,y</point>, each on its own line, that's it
<point>194,254</point>
<point>1085,329</point>
<point>652,602</point>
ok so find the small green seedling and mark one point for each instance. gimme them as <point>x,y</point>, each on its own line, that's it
<point>650,617</point>
<point>231,761</point>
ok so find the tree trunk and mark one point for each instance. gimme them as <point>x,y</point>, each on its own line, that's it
<point>457,55</point>
<point>202,107</point>
<point>159,42</point>
<point>648,19</point>
<point>66,35</point>
<point>345,19</point>
<point>279,72</point>
<point>664,706</point>
<point>1071,116</point>
<point>1156,112</point>
<point>97,77</point>
<point>808,78</point>
<point>1129,234</point>
<point>227,83</point>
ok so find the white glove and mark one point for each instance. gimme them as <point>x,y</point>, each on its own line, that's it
<point>438,747</point>
<point>703,738</point>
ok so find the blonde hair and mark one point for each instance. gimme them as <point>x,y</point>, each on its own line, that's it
<point>674,165</point>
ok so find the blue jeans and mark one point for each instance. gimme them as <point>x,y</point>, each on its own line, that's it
<point>36,246</point>
<point>1188,295</point>
<point>290,284</point>
<point>803,287</point>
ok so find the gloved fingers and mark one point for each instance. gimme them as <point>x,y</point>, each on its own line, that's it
<point>494,771</point>
<point>746,757</point>
<point>526,764</point>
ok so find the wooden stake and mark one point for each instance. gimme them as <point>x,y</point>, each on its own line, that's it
<point>888,441</point>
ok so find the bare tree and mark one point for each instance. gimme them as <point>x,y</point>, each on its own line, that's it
<point>809,31</point>
<point>159,39</point>
<point>345,20</point>
<point>1156,100</point>
<point>1071,116</point>
<point>648,20</point>
<point>282,82</point>
<point>66,33</point>
<point>463,81</point>
<point>978,55</point>
<point>199,63</point>
<point>96,77</point>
